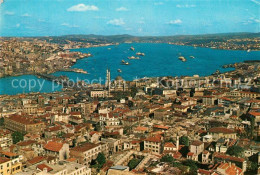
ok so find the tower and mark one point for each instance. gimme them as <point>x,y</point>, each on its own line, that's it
<point>107,84</point>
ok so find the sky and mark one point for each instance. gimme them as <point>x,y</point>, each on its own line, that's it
<point>134,17</point>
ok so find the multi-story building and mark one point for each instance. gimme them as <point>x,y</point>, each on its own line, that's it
<point>87,152</point>
<point>5,138</point>
<point>220,132</point>
<point>98,93</point>
<point>24,124</point>
<point>153,144</point>
<point>60,150</point>
<point>10,166</point>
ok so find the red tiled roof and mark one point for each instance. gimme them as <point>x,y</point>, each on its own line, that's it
<point>221,130</point>
<point>22,119</point>
<point>36,160</point>
<point>190,154</point>
<point>85,147</point>
<point>9,154</point>
<point>53,146</point>
<point>230,169</point>
<point>141,128</point>
<point>156,138</point>
<point>42,166</point>
<point>3,160</point>
<point>26,143</point>
<point>204,172</point>
<point>255,113</point>
<point>161,127</point>
<point>169,144</point>
<point>227,157</point>
<point>197,143</point>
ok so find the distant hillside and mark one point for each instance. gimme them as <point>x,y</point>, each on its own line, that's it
<point>96,39</point>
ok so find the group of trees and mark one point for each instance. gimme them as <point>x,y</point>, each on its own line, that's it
<point>185,166</point>
<point>98,162</point>
<point>17,137</point>
<point>133,163</point>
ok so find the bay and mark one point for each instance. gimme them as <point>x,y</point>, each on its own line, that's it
<point>159,60</point>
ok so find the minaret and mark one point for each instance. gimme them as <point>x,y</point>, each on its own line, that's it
<point>177,143</point>
<point>107,84</point>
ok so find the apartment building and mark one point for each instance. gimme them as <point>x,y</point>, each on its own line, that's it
<point>24,124</point>
<point>10,166</point>
<point>87,152</point>
<point>153,144</point>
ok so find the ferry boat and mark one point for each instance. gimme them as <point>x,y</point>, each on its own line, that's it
<point>182,58</point>
<point>132,48</point>
<point>119,70</point>
<point>192,57</point>
<point>133,58</point>
<point>140,54</point>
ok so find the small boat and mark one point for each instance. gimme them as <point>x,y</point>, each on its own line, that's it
<point>133,58</point>
<point>108,48</point>
<point>192,57</point>
<point>119,70</point>
<point>249,50</point>
<point>132,48</point>
<point>140,54</point>
<point>182,58</point>
<point>123,61</point>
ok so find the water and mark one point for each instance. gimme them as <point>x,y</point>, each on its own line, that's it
<point>159,60</point>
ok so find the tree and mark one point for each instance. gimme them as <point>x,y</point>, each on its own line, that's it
<point>167,158</point>
<point>61,134</point>
<point>17,137</point>
<point>133,163</point>
<point>2,121</point>
<point>252,166</point>
<point>235,151</point>
<point>101,159</point>
<point>184,140</point>
<point>192,164</point>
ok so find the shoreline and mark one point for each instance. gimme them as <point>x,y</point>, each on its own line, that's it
<point>146,77</point>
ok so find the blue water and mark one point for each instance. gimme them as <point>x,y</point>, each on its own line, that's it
<point>159,60</point>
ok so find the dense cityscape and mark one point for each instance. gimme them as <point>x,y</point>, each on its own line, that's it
<point>129,87</point>
<point>165,125</point>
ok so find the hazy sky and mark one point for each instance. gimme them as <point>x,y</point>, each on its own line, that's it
<point>135,17</point>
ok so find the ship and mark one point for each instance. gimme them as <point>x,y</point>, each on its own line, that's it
<point>119,70</point>
<point>133,58</point>
<point>140,54</point>
<point>132,48</point>
<point>182,58</point>
<point>192,57</point>
<point>80,71</point>
<point>125,63</point>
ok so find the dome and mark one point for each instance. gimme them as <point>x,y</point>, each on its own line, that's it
<point>119,78</point>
